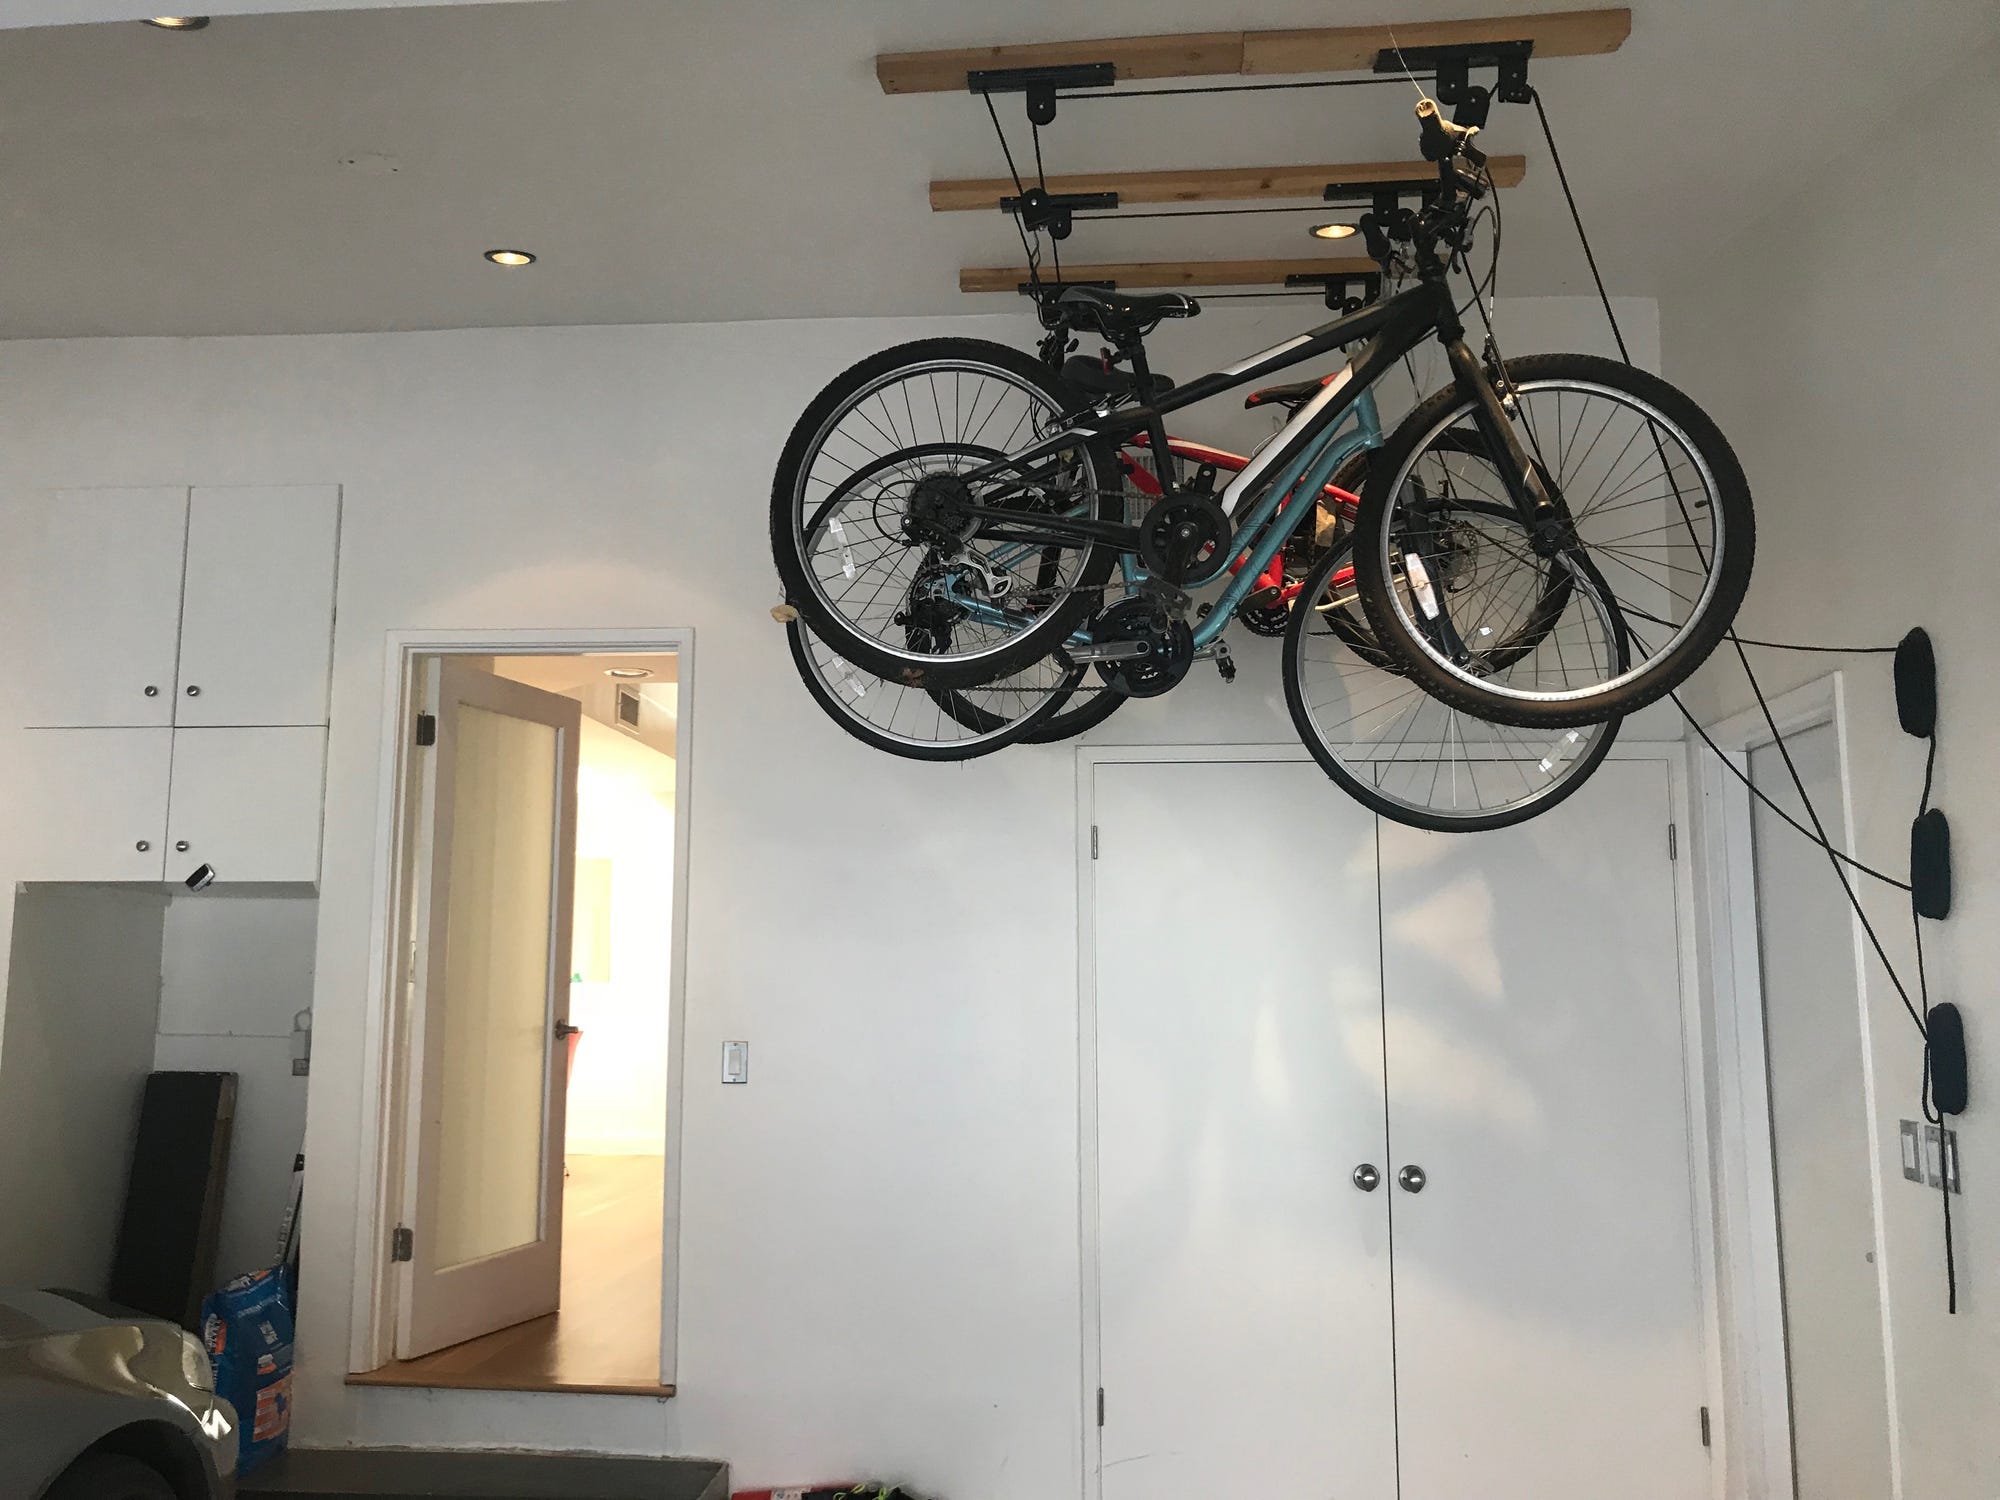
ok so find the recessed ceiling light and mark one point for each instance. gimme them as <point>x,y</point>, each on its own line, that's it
<point>628,671</point>
<point>510,257</point>
<point>1332,231</point>
<point>178,23</point>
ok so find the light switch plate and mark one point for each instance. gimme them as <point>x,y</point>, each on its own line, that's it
<point>1913,1152</point>
<point>1941,1157</point>
<point>735,1062</point>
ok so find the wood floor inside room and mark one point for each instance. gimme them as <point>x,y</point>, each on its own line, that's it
<point>606,1338</point>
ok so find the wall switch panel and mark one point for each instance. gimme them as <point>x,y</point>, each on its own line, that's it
<point>735,1062</point>
<point>1941,1157</point>
<point>1913,1151</point>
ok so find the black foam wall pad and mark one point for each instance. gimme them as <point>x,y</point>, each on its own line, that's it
<point>1916,684</point>
<point>1930,865</point>
<point>1948,1072</point>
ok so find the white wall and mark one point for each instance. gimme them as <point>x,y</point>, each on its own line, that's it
<point>625,814</point>
<point>1846,344</point>
<point>83,991</point>
<point>879,1233</point>
<point>234,971</point>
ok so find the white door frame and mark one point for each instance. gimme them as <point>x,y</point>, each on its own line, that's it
<point>1701,1187</point>
<point>371,1342</point>
<point>1759,1396</point>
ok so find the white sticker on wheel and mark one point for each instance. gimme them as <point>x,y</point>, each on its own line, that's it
<point>846,552</point>
<point>1420,584</point>
<point>1562,752</point>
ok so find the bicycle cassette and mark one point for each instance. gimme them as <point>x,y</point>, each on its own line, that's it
<point>1169,643</point>
<point>1184,538</point>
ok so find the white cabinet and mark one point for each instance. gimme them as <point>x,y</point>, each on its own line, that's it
<point>257,613</point>
<point>203,607</point>
<point>93,804</point>
<point>247,803</point>
<point>103,574</point>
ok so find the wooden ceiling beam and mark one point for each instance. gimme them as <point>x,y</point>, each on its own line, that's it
<point>1349,49</point>
<point>1210,184</point>
<point>1145,275</point>
<point>1317,49</point>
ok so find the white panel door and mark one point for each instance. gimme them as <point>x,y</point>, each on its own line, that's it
<point>1242,1277</point>
<point>247,803</point>
<point>257,623</point>
<point>1549,1330</point>
<point>103,574</point>
<point>492,1001</point>
<point>93,804</point>
<point>1821,1137</point>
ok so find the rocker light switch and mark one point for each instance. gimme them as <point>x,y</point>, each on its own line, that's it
<point>735,1062</point>
<point>1913,1152</point>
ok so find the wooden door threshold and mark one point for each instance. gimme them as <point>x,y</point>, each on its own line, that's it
<point>416,1374</point>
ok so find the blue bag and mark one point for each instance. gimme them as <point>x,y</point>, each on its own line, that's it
<point>247,1327</point>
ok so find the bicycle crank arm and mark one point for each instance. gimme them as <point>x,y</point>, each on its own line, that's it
<point>1092,651</point>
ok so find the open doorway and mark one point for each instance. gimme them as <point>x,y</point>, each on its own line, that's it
<point>537,898</point>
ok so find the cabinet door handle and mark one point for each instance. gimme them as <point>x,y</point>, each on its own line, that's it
<point>1367,1178</point>
<point>193,691</point>
<point>152,690</point>
<point>143,845</point>
<point>180,846</point>
<point>1412,1178</point>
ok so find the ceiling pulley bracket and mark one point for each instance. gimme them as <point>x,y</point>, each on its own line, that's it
<point>1452,66</point>
<point>1041,85</point>
<point>1346,291</point>
<point>1041,209</point>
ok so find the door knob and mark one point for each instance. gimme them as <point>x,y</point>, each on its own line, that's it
<point>1367,1178</point>
<point>1412,1179</point>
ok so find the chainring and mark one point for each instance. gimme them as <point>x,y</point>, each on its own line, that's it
<point>1167,661</point>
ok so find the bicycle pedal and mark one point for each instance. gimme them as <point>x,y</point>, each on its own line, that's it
<point>1224,662</point>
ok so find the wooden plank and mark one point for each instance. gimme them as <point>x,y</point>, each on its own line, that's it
<point>1203,54</point>
<point>1190,55</point>
<point>1209,184</point>
<point>1141,275</point>
<point>1347,49</point>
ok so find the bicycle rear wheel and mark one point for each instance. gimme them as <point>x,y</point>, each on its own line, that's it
<point>868,523</point>
<point>1655,534</point>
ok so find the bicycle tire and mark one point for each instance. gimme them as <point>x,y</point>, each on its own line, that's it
<point>1728,492</point>
<point>1025,646</point>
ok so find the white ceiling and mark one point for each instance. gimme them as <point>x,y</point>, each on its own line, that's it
<point>681,160</point>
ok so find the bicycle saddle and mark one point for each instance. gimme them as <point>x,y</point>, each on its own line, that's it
<point>1291,397</point>
<point>1098,378</point>
<point>1113,313</point>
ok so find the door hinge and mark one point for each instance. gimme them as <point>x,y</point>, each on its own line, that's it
<point>1093,841</point>
<point>402,1243</point>
<point>1673,843</point>
<point>427,729</point>
<point>1100,1406</point>
<point>1704,1427</point>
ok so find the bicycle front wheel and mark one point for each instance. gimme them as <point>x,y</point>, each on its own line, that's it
<point>1653,534</point>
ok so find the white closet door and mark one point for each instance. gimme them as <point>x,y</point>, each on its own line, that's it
<point>93,804</point>
<point>1243,1277</point>
<point>1549,1339</point>
<point>247,803</point>
<point>103,575</point>
<point>257,626</point>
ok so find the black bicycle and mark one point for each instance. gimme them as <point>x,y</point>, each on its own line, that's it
<point>944,516</point>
